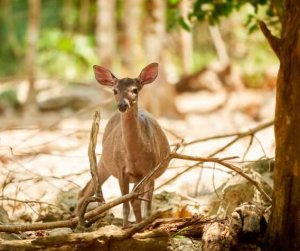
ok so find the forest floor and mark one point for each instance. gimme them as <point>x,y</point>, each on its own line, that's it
<point>44,154</point>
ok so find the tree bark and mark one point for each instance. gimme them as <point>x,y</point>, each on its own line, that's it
<point>84,14</point>
<point>32,39</point>
<point>131,38</point>
<point>284,229</point>
<point>158,98</point>
<point>186,38</point>
<point>106,31</point>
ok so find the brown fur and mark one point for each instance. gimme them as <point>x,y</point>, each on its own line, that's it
<point>133,144</point>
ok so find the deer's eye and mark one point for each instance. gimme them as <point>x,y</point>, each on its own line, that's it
<point>135,91</point>
<point>115,91</point>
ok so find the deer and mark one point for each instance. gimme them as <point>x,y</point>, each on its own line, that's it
<point>133,142</point>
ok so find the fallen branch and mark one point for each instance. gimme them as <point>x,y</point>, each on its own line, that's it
<point>100,237</point>
<point>16,228</point>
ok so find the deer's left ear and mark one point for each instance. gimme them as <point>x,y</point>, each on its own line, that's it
<point>148,74</point>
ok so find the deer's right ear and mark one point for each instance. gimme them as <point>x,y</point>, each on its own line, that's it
<point>104,76</point>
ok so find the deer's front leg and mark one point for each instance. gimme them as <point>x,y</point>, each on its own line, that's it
<point>137,208</point>
<point>124,185</point>
<point>149,196</point>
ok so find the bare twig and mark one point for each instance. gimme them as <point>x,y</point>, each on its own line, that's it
<point>33,202</point>
<point>249,146</point>
<point>238,135</point>
<point>163,163</point>
<point>226,164</point>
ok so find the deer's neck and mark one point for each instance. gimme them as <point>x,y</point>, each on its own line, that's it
<point>131,132</point>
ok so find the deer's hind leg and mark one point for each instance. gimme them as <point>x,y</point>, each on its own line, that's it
<point>89,190</point>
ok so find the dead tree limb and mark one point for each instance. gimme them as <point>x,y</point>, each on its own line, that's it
<point>92,155</point>
<point>140,226</point>
<point>16,228</point>
<point>211,239</point>
<point>94,171</point>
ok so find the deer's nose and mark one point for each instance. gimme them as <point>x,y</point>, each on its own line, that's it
<point>123,106</point>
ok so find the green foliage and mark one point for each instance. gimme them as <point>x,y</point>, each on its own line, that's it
<point>184,24</point>
<point>9,98</point>
<point>66,56</point>
<point>213,10</point>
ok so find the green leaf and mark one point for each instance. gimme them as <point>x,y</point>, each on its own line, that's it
<point>174,1</point>
<point>253,28</point>
<point>184,25</point>
<point>176,235</point>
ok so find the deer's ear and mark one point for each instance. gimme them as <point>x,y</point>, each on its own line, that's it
<point>104,76</point>
<point>148,74</point>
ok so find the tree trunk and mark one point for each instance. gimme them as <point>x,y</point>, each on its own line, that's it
<point>186,39</point>
<point>106,31</point>
<point>131,39</point>
<point>32,39</point>
<point>284,229</point>
<point>158,98</point>
<point>84,14</point>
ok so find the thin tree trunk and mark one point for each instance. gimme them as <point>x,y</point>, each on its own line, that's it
<point>219,44</point>
<point>84,14</point>
<point>106,31</point>
<point>6,20</point>
<point>131,39</point>
<point>158,98</point>
<point>186,39</point>
<point>32,39</point>
<point>284,229</point>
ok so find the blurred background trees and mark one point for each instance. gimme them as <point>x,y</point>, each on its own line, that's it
<point>59,41</point>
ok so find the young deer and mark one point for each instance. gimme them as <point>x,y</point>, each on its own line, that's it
<point>133,142</point>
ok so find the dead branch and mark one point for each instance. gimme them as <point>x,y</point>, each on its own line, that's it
<point>55,124</point>
<point>92,156</point>
<point>94,171</point>
<point>164,162</point>
<point>15,228</point>
<point>140,226</point>
<point>226,164</point>
<point>211,239</point>
<point>101,237</point>
<point>34,202</point>
<point>239,135</point>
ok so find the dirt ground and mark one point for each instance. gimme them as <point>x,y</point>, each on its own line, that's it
<point>37,162</point>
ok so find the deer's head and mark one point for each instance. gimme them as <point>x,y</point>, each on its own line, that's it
<point>126,90</point>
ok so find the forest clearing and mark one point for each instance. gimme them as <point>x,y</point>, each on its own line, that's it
<point>150,125</point>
